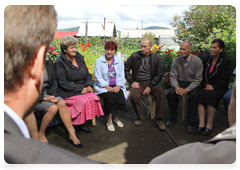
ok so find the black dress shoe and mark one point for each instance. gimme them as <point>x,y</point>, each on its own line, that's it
<point>80,145</point>
<point>189,129</point>
<point>171,122</point>
<point>199,130</point>
<point>88,130</point>
<point>207,132</point>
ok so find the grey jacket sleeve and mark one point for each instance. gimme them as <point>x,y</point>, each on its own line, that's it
<point>174,74</point>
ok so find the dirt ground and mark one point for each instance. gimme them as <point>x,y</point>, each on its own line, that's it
<point>132,144</point>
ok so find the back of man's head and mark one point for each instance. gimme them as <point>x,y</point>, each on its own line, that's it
<point>26,28</point>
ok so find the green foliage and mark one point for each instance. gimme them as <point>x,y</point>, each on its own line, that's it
<point>150,35</point>
<point>203,21</point>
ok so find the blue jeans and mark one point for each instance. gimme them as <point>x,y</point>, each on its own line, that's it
<point>227,97</point>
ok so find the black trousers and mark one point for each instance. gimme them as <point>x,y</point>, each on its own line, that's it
<point>173,101</point>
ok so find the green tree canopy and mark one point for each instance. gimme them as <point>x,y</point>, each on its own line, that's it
<point>203,21</point>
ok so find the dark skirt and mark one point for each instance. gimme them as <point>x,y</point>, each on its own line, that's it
<point>113,101</point>
<point>210,97</point>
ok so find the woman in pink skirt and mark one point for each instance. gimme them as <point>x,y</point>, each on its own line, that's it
<point>75,84</point>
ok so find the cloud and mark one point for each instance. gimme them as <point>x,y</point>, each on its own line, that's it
<point>124,16</point>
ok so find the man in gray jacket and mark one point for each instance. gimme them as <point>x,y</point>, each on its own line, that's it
<point>186,76</point>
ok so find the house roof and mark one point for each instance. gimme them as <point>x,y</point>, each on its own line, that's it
<point>64,33</point>
<point>96,29</point>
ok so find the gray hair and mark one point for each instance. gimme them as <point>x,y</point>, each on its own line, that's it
<point>189,44</point>
<point>66,41</point>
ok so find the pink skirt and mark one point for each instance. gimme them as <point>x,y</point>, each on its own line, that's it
<point>83,107</point>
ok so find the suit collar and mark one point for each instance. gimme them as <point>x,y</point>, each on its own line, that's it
<point>13,128</point>
<point>228,134</point>
<point>215,69</point>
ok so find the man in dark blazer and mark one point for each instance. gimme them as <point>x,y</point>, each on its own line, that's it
<point>28,32</point>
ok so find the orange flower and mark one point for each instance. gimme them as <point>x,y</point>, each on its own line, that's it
<point>88,44</point>
<point>197,55</point>
<point>170,55</point>
<point>165,52</point>
<point>192,52</point>
<point>153,50</point>
<point>81,45</point>
<point>83,49</point>
<point>178,52</point>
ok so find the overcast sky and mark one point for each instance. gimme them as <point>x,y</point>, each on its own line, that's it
<point>124,16</point>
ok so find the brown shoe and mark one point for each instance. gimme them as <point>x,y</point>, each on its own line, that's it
<point>161,125</point>
<point>138,122</point>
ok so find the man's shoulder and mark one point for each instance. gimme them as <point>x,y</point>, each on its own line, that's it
<point>196,58</point>
<point>31,151</point>
<point>136,53</point>
<point>206,154</point>
<point>177,60</point>
<point>154,55</point>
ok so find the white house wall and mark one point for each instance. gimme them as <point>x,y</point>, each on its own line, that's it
<point>135,33</point>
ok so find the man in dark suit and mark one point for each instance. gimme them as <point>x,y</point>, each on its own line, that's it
<point>28,32</point>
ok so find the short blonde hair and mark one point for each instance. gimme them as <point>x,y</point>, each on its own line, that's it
<point>66,41</point>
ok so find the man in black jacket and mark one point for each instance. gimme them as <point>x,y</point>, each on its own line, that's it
<point>146,74</point>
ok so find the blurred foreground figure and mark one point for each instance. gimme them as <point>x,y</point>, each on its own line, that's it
<point>28,32</point>
<point>219,150</point>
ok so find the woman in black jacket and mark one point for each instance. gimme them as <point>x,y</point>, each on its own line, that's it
<point>75,84</point>
<point>216,76</point>
<point>50,102</point>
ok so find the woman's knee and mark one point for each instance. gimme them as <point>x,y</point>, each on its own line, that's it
<point>61,104</point>
<point>53,109</point>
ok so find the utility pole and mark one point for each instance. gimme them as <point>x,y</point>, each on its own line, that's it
<point>86,32</point>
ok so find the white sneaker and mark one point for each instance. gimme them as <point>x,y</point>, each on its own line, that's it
<point>119,123</point>
<point>110,128</point>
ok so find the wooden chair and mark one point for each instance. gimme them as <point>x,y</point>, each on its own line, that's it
<point>184,106</point>
<point>151,105</point>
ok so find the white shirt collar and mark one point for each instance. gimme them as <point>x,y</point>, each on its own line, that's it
<point>20,123</point>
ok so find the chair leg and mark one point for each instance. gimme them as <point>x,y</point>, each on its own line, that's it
<point>184,103</point>
<point>151,106</point>
<point>94,121</point>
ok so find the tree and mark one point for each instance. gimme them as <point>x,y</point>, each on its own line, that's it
<point>203,21</point>
<point>150,35</point>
